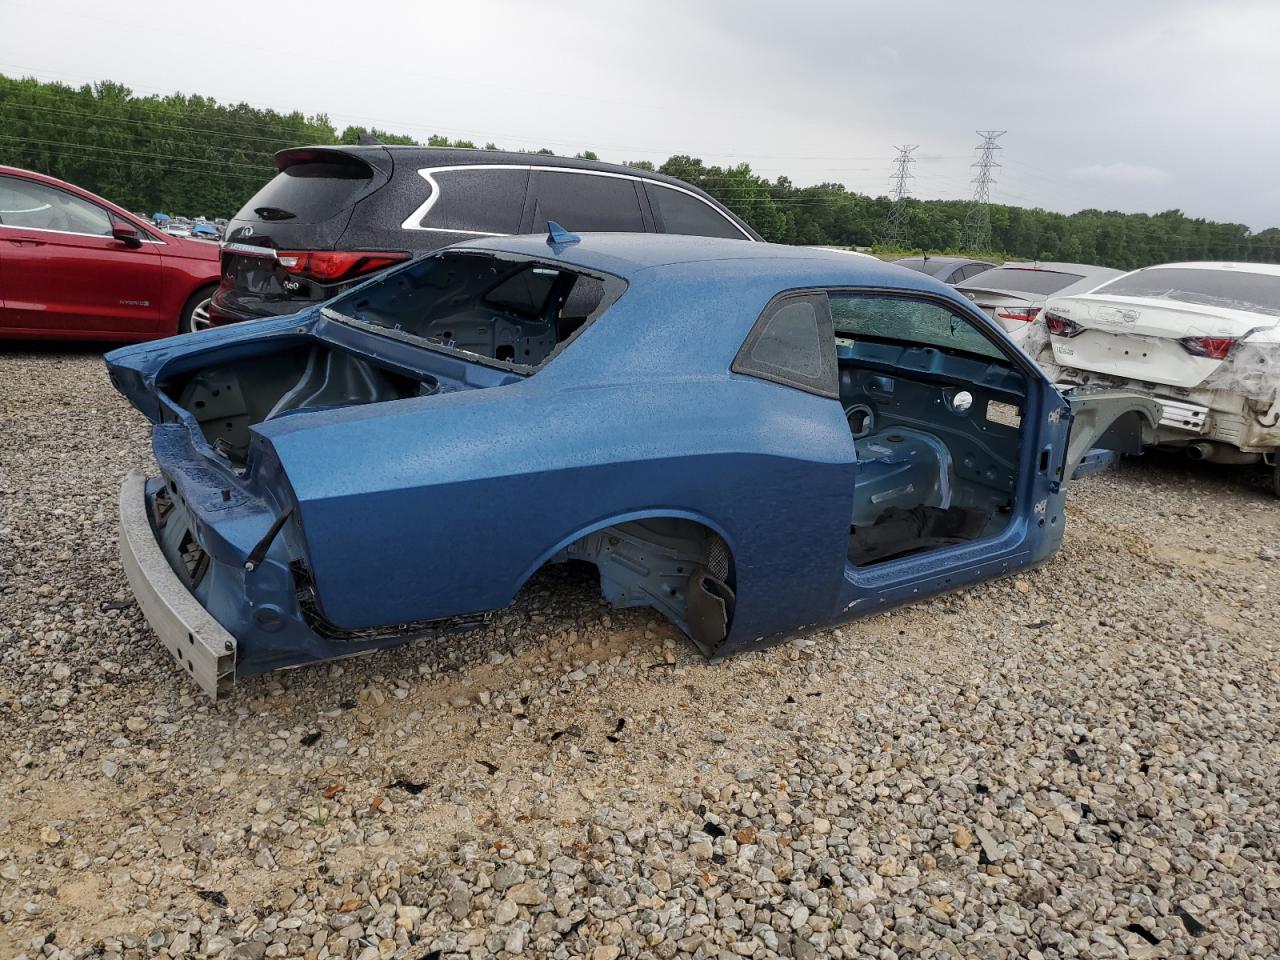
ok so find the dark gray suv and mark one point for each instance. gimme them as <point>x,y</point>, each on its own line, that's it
<point>333,216</point>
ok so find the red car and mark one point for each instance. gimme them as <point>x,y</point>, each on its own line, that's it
<point>75,267</point>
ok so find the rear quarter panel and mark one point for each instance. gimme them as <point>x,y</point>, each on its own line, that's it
<point>438,506</point>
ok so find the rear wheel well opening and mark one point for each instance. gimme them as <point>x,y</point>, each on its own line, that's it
<point>186,316</point>
<point>681,568</point>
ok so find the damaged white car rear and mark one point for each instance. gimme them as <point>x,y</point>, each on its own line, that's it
<point>1202,338</point>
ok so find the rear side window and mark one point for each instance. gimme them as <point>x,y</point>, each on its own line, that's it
<point>792,344</point>
<point>310,192</point>
<point>1025,280</point>
<point>34,205</point>
<point>584,202</point>
<point>686,214</point>
<point>478,200</point>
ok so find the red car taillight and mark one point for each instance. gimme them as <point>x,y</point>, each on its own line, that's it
<point>1215,348</point>
<point>1025,314</point>
<point>330,265</point>
<point>1061,326</point>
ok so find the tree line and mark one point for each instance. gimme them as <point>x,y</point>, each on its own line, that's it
<point>195,156</point>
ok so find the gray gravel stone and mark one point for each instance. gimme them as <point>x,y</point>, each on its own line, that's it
<point>1071,763</point>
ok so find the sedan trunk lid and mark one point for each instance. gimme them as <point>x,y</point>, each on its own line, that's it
<point>1148,339</point>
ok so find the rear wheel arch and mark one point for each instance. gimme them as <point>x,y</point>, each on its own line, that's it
<point>186,314</point>
<point>677,562</point>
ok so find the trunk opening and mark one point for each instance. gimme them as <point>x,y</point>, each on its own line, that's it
<point>228,398</point>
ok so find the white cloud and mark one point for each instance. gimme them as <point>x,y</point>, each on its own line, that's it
<point>1120,172</point>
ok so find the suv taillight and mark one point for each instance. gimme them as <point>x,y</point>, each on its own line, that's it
<point>1061,326</point>
<point>328,266</point>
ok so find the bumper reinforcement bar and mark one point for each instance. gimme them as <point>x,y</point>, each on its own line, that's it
<point>201,645</point>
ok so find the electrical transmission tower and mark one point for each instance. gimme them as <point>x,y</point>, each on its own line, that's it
<point>895,225</point>
<point>977,221</point>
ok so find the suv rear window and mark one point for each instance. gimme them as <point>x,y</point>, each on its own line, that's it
<point>310,192</point>
<point>687,214</point>
<point>1233,289</point>
<point>1028,280</point>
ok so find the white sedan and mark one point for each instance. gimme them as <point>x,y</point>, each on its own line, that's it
<point>1201,338</point>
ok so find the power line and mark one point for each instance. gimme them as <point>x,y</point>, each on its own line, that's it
<point>895,224</point>
<point>14,105</point>
<point>176,162</point>
<point>977,221</point>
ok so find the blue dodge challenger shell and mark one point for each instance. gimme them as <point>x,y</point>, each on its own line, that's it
<point>754,440</point>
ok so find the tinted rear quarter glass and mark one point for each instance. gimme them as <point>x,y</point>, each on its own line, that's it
<point>1025,280</point>
<point>585,202</point>
<point>311,192</point>
<point>478,199</point>
<point>792,343</point>
<point>685,214</point>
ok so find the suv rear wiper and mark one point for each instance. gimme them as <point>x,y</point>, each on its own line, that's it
<point>273,213</point>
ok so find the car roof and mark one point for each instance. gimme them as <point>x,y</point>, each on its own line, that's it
<point>940,261</point>
<point>1057,266</point>
<point>418,158</point>
<point>941,266</point>
<point>1271,269</point>
<point>52,182</point>
<point>628,254</point>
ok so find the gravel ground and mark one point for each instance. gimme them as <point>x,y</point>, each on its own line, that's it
<point>1077,762</point>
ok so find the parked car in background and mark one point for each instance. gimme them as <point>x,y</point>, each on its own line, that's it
<point>844,436</point>
<point>177,228</point>
<point>950,270</point>
<point>1201,338</point>
<point>1014,295</point>
<point>204,231</point>
<point>76,266</point>
<point>335,215</point>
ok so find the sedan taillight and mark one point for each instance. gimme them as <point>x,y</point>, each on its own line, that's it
<point>328,266</point>
<point>1061,326</point>
<point>1025,314</point>
<point>1215,348</point>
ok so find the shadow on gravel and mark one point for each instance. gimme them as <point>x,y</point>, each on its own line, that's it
<point>558,598</point>
<point>47,349</point>
<point>1167,469</point>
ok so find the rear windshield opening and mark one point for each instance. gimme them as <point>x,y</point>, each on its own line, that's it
<point>310,192</point>
<point>1023,280</point>
<point>1233,289</point>
<point>498,308</point>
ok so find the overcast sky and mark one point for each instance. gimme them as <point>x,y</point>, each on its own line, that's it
<point>1136,105</point>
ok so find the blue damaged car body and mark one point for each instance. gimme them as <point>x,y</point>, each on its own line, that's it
<point>754,440</point>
